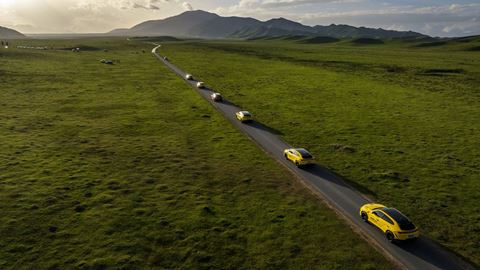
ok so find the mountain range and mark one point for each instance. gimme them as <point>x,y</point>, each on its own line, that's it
<point>202,24</point>
<point>7,33</point>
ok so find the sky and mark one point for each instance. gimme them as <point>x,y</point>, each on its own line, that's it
<point>435,18</point>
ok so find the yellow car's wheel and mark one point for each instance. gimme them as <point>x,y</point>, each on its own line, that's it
<point>390,236</point>
<point>364,216</point>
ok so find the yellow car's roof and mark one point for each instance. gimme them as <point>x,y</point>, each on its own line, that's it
<point>371,206</point>
<point>403,221</point>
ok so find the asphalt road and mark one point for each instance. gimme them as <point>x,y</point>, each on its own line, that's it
<point>422,254</point>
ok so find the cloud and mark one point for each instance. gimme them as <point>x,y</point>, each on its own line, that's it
<point>266,9</point>
<point>445,20</point>
<point>248,8</point>
<point>246,5</point>
<point>24,28</point>
<point>148,6</point>
<point>154,4</point>
<point>95,6</point>
<point>187,6</point>
<point>91,16</point>
<point>289,3</point>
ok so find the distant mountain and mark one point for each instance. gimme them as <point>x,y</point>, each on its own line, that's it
<point>221,27</point>
<point>287,25</point>
<point>347,31</point>
<point>7,33</point>
<point>177,25</point>
<point>202,24</point>
<point>119,31</point>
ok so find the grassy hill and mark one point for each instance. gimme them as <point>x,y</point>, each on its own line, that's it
<point>125,167</point>
<point>7,33</point>
<point>398,118</point>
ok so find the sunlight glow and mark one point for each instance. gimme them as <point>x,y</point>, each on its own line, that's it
<point>6,3</point>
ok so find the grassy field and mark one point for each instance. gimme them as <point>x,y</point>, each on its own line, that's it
<point>399,120</point>
<point>125,167</point>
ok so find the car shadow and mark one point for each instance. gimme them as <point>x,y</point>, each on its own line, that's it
<point>224,101</point>
<point>434,254</point>
<point>229,103</point>
<point>261,126</point>
<point>331,176</point>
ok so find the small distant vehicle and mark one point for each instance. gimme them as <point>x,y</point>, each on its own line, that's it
<point>107,62</point>
<point>200,85</point>
<point>394,224</point>
<point>217,97</point>
<point>244,116</point>
<point>165,58</point>
<point>189,77</point>
<point>299,156</point>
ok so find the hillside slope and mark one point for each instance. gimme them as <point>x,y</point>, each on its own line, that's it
<point>7,33</point>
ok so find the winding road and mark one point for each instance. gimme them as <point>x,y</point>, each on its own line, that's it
<point>422,254</point>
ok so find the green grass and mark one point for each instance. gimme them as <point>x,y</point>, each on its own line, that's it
<point>126,167</point>
<point>398,120</point>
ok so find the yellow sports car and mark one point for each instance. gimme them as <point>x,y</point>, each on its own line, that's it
<point>244,116</point>
<point>299,156</point>
<point>392,222</point>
